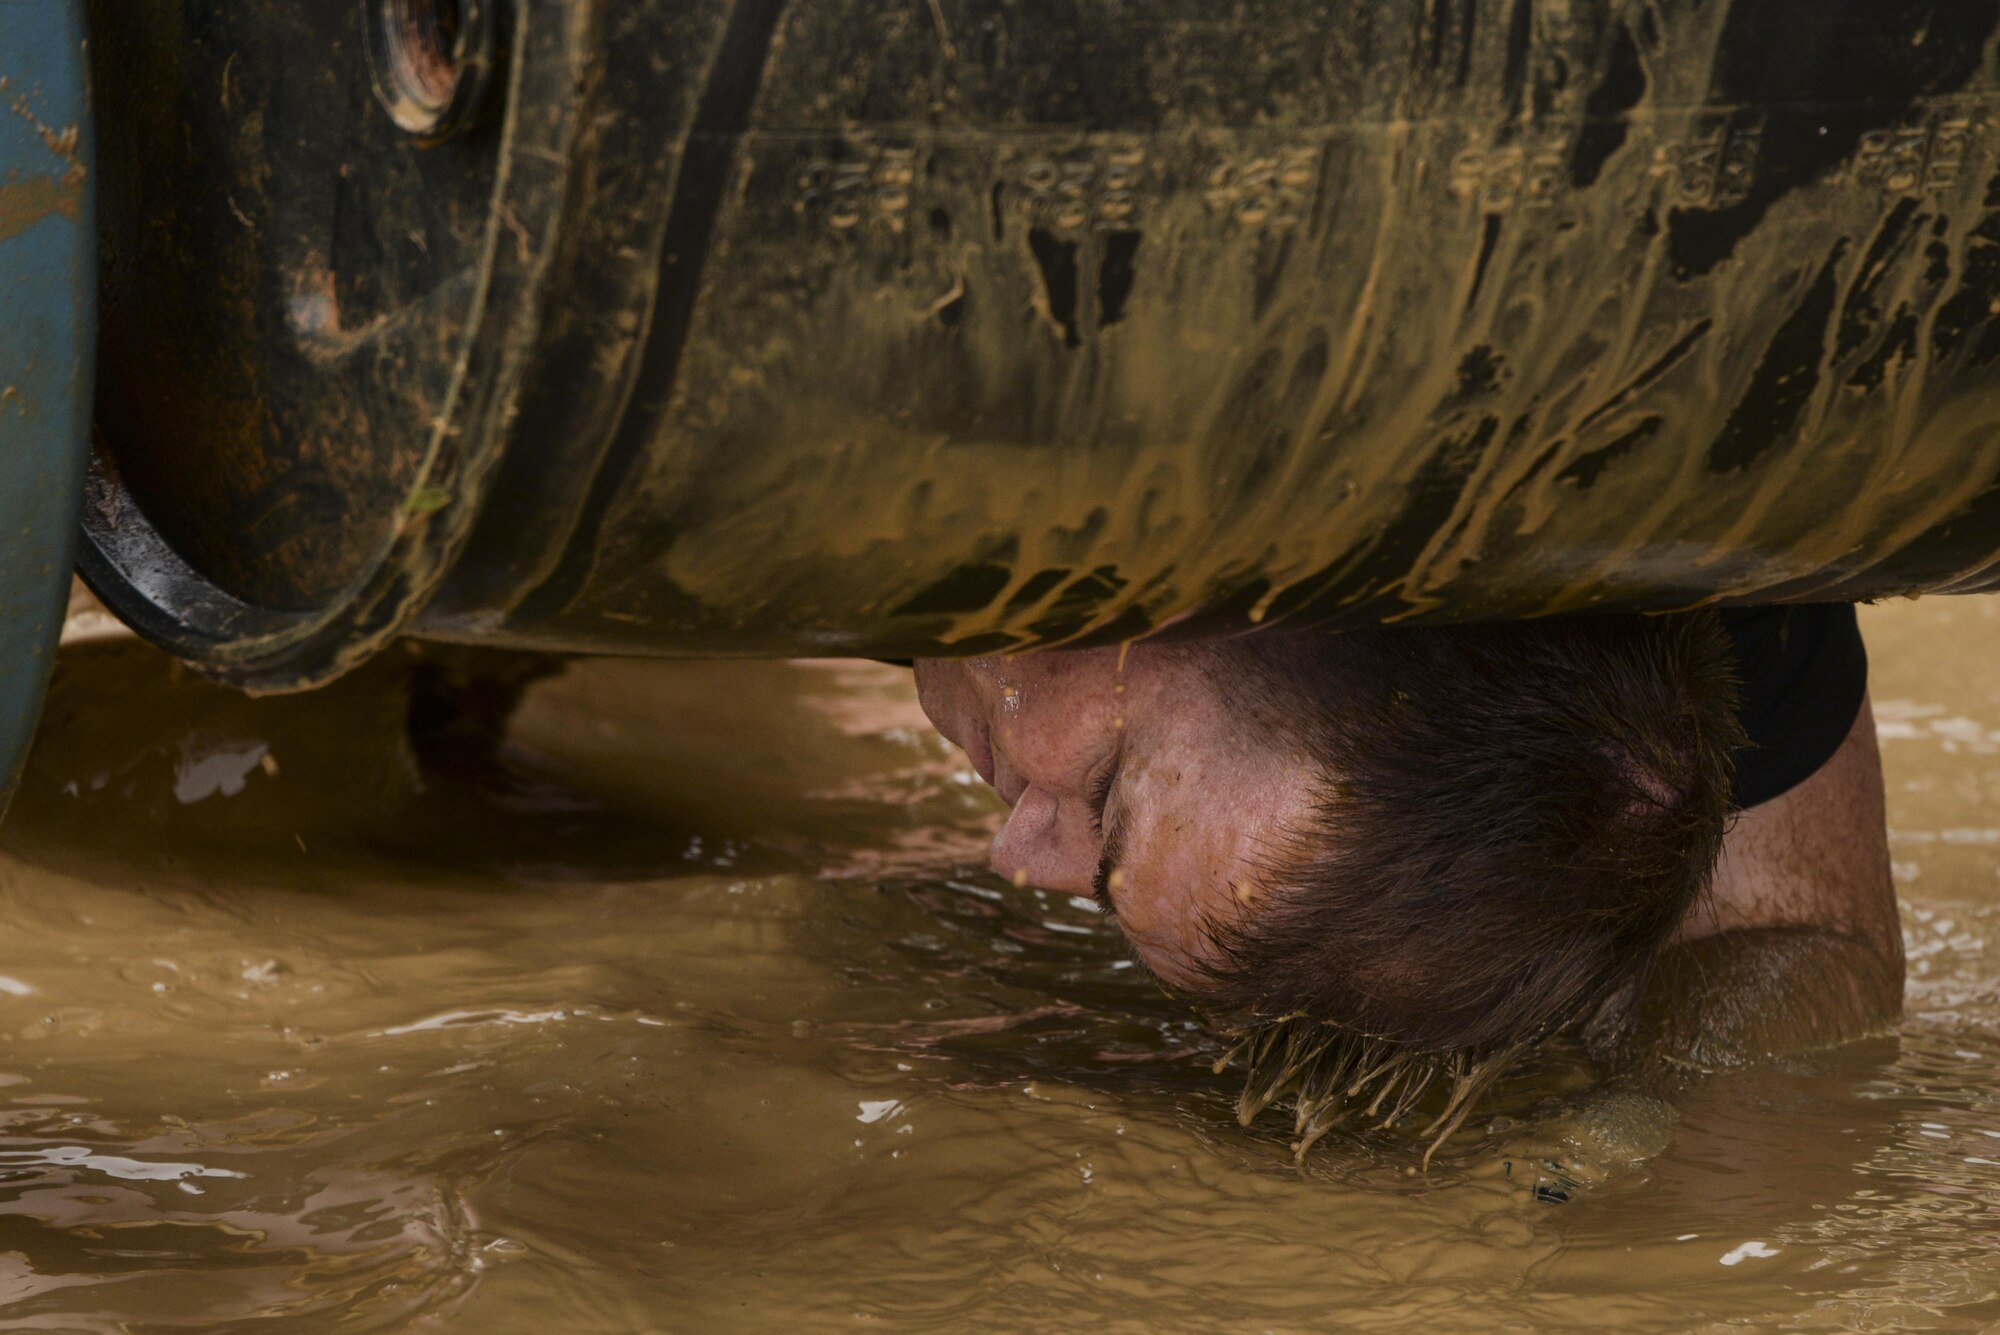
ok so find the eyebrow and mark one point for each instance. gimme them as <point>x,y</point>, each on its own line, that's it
<point>1113,825</point>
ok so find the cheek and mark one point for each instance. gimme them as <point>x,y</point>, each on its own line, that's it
<point>1055,711</point>
<point>1175,962</point>
<point>1170,911</point>
<point>1187,875</point>
<point>1054,752</point>
<point>1055,739</point>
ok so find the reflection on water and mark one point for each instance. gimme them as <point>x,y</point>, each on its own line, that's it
<point>687,1009</point>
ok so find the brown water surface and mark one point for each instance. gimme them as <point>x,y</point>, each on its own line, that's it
<point>688,1011</point>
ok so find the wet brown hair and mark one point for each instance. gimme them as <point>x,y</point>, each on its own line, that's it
<point>1511,822</point>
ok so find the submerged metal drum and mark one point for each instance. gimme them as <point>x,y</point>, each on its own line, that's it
<point>685,326</point>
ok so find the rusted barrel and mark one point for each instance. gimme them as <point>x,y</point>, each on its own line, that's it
<point>752,327</point>
<point>47,303</point>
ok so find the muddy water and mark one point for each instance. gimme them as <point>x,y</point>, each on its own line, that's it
<point>684,1010</point>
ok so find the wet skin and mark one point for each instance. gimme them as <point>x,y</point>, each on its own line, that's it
<point>1797,945</point>
<point>1135,783</point>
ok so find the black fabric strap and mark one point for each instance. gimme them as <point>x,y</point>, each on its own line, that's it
<point>1804,671</point>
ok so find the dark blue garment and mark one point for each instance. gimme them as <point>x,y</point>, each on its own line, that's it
<point>1803,670</point>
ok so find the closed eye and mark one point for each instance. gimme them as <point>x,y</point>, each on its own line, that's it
<point>1111,832</point>
<point>1100,794</point>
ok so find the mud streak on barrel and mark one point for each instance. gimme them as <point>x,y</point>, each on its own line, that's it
<point>721,117</point>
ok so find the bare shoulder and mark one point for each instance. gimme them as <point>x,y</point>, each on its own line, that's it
<point>1797,945</point>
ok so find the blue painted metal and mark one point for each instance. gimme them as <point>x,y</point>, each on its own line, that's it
<point>48,336</point>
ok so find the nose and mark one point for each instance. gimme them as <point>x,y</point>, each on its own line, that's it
<point>1030,848</point>
<point>1020,850</point>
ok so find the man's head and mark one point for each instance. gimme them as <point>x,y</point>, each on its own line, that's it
<point>1450,838</point>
